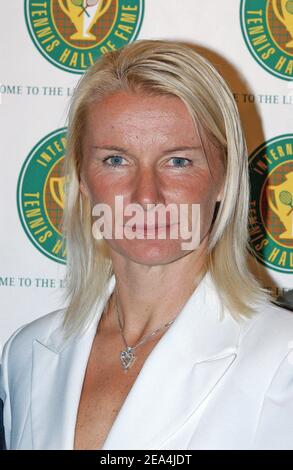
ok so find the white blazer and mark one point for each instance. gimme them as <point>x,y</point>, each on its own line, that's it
<point>207,384</point>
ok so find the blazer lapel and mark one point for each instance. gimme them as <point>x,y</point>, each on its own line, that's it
<point>56,386</point>
<point>179,375</point>
<point>58,372</point>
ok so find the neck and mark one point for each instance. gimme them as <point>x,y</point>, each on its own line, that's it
<point>150,296</point>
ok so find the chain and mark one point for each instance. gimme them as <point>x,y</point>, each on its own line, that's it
<point>145,338</point>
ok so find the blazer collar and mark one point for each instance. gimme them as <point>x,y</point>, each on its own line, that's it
<point>176,378</point>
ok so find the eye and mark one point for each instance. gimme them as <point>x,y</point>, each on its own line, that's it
<point>113,160</point>
<point>181,162</point>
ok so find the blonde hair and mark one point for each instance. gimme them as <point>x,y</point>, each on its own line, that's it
<point>159,67</point>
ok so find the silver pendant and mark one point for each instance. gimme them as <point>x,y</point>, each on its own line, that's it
<point>127,357</point>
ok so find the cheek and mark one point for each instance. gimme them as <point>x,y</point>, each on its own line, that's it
<point>102,187</point>
<point>98,190</point>
<point>199,190</point>
<point>193,189</point>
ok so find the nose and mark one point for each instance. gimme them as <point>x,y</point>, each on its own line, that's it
<point>147,188</point>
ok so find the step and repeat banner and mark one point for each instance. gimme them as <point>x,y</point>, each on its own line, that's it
<point>45,48</point>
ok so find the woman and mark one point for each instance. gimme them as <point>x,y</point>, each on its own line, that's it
<point>162,346</point>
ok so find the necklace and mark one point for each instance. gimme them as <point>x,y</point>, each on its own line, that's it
<point>127,356</point>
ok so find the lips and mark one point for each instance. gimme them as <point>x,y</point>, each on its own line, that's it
<point>146,227</point>
<point>151,227</point>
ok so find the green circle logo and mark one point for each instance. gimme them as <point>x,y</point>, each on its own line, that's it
<point>267,27</point>
<point>271,203</point>
<point>40,195</point>
<point>72,34</point>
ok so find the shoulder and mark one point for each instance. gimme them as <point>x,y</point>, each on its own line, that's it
<point>273,354</point>
<point>273,323</point>
<point>19,344</point>
<point>266,342</point>
<point>270,327</point>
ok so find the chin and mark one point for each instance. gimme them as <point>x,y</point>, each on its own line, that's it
<point>150,252</point>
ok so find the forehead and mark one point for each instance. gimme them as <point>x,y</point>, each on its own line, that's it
<point>137,115</point>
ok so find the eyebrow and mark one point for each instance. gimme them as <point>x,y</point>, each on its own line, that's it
<point>124,150</point>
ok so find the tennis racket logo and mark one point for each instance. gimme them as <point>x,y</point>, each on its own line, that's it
<point>84,14</point>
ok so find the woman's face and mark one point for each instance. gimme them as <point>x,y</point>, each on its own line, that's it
<point>147,150</point>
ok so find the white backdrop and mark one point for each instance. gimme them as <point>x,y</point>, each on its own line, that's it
<point>29,280</point>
